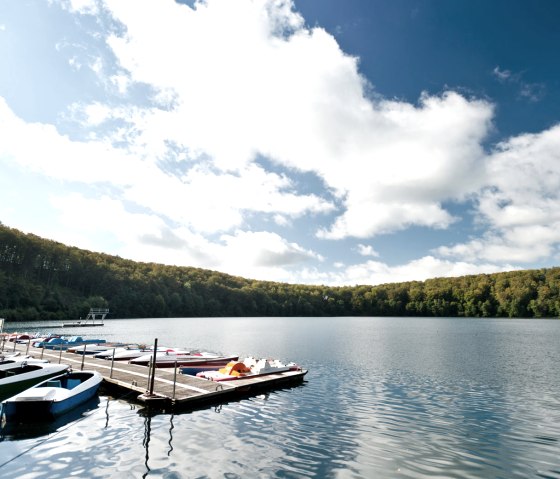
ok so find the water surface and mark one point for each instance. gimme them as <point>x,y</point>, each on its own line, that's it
<point>384,397</point>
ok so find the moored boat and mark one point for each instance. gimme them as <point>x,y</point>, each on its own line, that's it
<point>195,366</point>
<point>20,337</point>
<point>41,339</point>
<point>92,349</point>
<point>65,343</point>
<point>248,368</point>
<point>169,359</point>
<point>53,397</point>
<point>23,375</point>
<point>7,362</point>
<point>127,353</point>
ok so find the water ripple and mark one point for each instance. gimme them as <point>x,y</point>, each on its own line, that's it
<point>400,410</point>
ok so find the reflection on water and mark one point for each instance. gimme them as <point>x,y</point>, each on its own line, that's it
<point>13,431</point>
<point>398,398</point>
<point>146,442</point>
<point>148,414</point>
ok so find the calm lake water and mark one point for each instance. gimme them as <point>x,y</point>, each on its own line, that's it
<point>384,398</point>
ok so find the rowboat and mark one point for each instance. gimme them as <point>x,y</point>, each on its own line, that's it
<point>23,374</point>
<point>53,397</point>
<point>7,362</point>
<point>169,359</point>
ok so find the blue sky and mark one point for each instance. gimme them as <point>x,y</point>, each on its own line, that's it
<point>306,141</point>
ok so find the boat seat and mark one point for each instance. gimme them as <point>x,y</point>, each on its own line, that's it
<point>54,383</point>
<point>72,383</point>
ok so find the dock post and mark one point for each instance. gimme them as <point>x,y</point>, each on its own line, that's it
<point>112,363</point>
<point>15,343</point>
<point>60,355</point>
<point>174,379</point>
<point>42,351</point>
<point>153,368</point>
<point>27,349</point>
<point>83,358</point>
<point>3,342</point>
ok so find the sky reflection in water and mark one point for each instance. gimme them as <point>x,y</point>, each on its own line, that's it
<point>385,397</point>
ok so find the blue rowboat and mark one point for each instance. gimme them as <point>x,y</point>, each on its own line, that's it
<point>21,375</point>
<point>53,397</point>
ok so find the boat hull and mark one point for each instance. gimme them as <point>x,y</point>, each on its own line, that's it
<point>32,405</point>
<point>14,384</point>
<point>162,362</point>
<point>65,346</point>
<point>44,409</point>
<point>193,370</point>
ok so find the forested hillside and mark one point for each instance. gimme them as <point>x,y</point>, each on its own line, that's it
<point>45,280</point>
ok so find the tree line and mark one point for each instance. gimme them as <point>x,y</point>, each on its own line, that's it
<point>45,280</point>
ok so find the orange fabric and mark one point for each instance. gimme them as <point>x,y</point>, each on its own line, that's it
<point>235,368</point>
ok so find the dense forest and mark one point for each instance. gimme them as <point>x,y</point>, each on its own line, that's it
<point>45,280</point>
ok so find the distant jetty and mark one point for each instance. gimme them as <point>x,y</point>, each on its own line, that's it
<point>95,317</point>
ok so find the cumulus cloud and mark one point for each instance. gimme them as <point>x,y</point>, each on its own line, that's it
<point>279,89</point>
<point>377,272</point>
<point>144,236</point>
<point>413,159</point>
<point>367,250</point>
<point>520,203</point>
<point>203,199</point>
<point>211,114</point>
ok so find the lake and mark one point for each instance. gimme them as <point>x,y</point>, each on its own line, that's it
<point>384,398</point>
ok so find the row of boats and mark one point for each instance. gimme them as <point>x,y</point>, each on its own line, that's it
<point>30,386</point>
<point>204,365</point>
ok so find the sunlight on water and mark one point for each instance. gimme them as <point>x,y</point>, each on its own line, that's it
<point>395,398</point>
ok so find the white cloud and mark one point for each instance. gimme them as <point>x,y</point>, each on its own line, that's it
<point>411,160</point>
<point>56,156</point>
<point>211,113</point>
<point>281,90</point>
<point>532,92</point>
<point>520,203</point>
<point>80,6</point>
<point>143,237</point>
<point>367,250</point>
<point>202,199</point>
<point>377,272</point>
<point>500,74</point>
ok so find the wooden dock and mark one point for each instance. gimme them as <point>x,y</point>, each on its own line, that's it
<point>171,389</point>
<point>95,317</point>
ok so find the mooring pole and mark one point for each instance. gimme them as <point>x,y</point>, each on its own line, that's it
<point>153,377</point>
<point>15,342</point>
<point>83,357</point>
<point>112,363</point>
<point>27,349</point>
<point>60,355</point>
<point>175,379</point>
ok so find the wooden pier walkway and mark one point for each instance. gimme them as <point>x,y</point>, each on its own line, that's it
<point>171,389</point>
